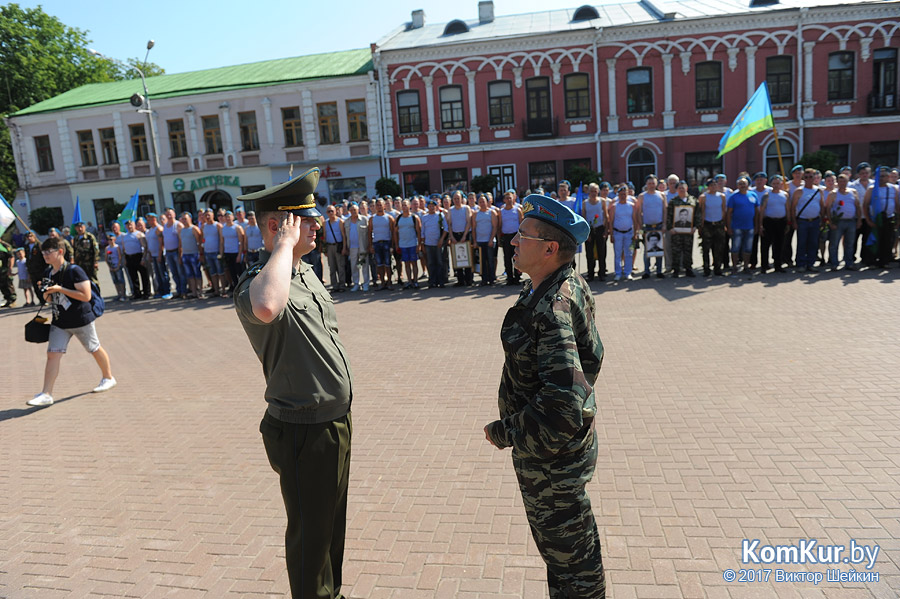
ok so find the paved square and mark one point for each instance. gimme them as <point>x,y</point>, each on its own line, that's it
<point>728,410</point>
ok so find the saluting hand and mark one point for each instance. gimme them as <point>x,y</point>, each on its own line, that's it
<point>289,230</point>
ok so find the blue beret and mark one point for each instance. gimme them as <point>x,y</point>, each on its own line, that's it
<point>846,167</point>
<point>565,182</point>
<point>605,185</point>
<point>797,167</point>
<point>558,215</point>
<point>862,165</point>
<point>760,174</point>
<point>152,214</point>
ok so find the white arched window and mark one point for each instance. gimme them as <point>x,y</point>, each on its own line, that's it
<point>788,157</point>
<point>641,162</point>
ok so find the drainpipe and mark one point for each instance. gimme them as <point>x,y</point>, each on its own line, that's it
<point>381,72</point>
<point>800,84</point>
<point>597,98</point>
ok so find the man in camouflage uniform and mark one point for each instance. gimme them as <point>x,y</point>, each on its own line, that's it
<point>86,251</point>
<point>7,259</point>
<point>68,252</point>
<point>682,243</point>
<point>547,405</point>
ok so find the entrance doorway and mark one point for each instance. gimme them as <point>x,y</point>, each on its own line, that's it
<point>216,199</point>
<point>506,179</point>
<point>184,201</point>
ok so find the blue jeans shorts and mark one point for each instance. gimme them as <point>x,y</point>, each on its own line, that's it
<point>382,253</point>
<point>741,241</point>
<point>214,265</point>
<point>409,254</point>
<point>118,276</point>
<point>191,265</point>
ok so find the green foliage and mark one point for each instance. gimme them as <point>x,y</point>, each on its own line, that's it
<point>41,57</point>
<point>387,187</point>
<point>822,160</point>
<point>41,219</point>
<point>483,183</point>
<point>582,175</point>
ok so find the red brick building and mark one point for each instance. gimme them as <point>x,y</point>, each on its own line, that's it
<point>634,88</point>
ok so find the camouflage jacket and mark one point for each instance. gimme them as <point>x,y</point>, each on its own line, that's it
<point>553,355</point>
<point>86,249</point>
<point>688,201</point>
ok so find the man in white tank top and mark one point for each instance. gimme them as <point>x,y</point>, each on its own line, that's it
<point>844,213</point>
<point>594,211</point>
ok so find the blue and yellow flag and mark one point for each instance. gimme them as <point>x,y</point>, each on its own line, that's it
<point>131,209</point>
<point>756,116</point>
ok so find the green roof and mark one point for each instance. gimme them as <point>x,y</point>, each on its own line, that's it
<point>256,74</point>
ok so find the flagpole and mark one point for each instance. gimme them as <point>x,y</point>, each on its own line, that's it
<point>778,148</point>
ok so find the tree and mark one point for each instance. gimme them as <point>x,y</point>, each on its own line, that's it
<point>823,160</point>
<point>582,175</point>
<point>41,57</point>
<point>41,219</point>
<point>484,183</point>
<point>387,187</point>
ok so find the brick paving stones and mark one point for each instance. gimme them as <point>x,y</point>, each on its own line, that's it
<point>729,409</point>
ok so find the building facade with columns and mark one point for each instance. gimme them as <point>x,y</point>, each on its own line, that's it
<point>220,133</point>
<point>634,88</point>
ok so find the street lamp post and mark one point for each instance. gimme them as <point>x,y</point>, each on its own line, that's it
<point>139,101</point>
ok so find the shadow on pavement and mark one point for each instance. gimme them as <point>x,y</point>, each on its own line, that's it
<point>19,412</point>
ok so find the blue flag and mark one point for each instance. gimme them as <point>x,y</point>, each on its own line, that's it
<point>130,212</point>
<point>756,116</point>
<point>579,198</point>
<point>76,218</point>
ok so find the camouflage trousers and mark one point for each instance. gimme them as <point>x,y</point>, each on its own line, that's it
<point>562,523</point>
<point>89,270</point>
<point>682,251</point>
<point>6,286</point>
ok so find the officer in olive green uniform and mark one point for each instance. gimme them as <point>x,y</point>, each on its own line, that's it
<point>290,320</point>
<point>683,243</point>
<point>86,251</point>
<point>7,258</point>
<point>547,405</point>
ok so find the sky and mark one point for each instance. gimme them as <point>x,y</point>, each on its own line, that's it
<point>191,35</point>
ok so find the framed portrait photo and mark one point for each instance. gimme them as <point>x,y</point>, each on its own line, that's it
<point>684,219</point>
<point>461,255</point>
<point>654,244</point>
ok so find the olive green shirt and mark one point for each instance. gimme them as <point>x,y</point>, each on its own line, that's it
<point>308,378</point>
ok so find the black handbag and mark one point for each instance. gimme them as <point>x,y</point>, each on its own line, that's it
<point>37,330</point>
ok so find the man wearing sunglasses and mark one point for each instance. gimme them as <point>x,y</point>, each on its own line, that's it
<point>547,406</point>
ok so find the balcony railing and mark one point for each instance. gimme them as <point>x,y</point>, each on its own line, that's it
<point>548,127</point>
<point>881,103</point>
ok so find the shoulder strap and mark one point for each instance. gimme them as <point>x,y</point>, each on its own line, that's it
<point>811,198</point>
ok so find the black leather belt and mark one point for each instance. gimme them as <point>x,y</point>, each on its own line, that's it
<point>618,231</point>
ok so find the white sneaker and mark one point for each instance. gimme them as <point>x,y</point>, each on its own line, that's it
<point>105,385</point>
<point>41,399</point>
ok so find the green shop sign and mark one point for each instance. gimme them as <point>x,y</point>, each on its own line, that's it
<point>217,180</point>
